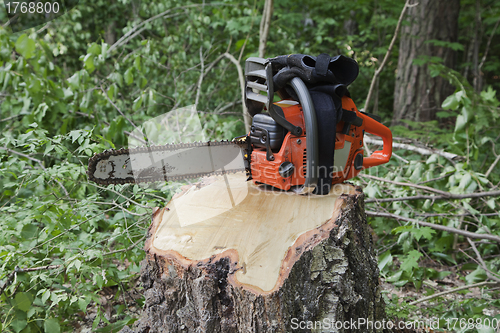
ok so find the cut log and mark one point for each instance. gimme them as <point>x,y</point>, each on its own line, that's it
<point>234,257</point>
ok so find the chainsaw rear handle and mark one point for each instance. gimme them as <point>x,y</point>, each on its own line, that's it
<point>380,156</point>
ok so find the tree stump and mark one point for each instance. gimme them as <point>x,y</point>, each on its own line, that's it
<point>234,257</point>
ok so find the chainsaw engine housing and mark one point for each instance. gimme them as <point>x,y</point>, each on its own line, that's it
<point>348,160</point>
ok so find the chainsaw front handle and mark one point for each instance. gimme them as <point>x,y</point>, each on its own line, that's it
<point>380,156</point>
<point>311,135</point>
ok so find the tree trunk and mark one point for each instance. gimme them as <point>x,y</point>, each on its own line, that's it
<point>417,95</point>
<point>249,259</point>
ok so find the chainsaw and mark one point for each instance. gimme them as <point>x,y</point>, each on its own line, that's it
<point>308,140</point>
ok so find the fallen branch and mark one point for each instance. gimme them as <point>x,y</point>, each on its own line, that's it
<point>420,150</point>
<point>489,274</point>
<point>480,284</point>
<point>435,226</point>
<point>37,161</point>
<point>23,270</point>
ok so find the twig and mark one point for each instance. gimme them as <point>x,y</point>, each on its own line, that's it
<point>39,163</point>
<point>8,282</point>
<point>125,250</point>
<point>41,268</point>
<point>398,157</point>
<point>124,39</point>
<point>107,124</point>
<point>23,270</point>
<point>246,117</point>
<point>12,19</point>
<point>67,230</point>
<point>200,80</point>
<point>120,111</point>
<point>488,46</point>
<point>391,45</point>
<point>119,194</point>
<point>434,179</point>
<point>448,196</point>
<point>489,274</point>
<point>492,166</point>
<point>446,214</point>
<point>10,118</point>
<point>420,150</point>
<point>436,226</point>
<point>480,284</point>
<point>421,187</point>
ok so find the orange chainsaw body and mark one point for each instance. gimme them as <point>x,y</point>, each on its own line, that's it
<point>348,159</point>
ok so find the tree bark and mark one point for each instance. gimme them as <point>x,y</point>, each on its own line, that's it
<point>326,273</point>
<point>417,95</point>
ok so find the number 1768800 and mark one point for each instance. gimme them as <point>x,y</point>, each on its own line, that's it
<point>31,7</point>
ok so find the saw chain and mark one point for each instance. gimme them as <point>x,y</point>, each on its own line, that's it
<point>115,166</point>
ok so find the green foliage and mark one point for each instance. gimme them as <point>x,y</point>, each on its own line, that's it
<point>75,86</point>
<point>407,261</point>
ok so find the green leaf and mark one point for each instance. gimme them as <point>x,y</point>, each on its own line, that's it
<point>434,158</point>
<point>129,76</point>
<point>25,46</point>
<point>94,49</point>
<point>460,123</point>
<point>74,81</point>
<point>411,261</point>
<point>491,203</point>
<point>45,296</point>
<point>451,102</point>
<point>52,325</point>
<point>23,301</point>
<point>116,326</point>
<point>83,303</point>
<point>19,324</point>
<point>111,92</point>
<point>104,50</point>
<point>444,114</point>
<point>465,181</point>
<point>96,321</point>
<point>137,103</point>
<point>31,312</point>
<point>489,95</point>
<point>395,277</point>
<point>427,232</point>
<point>29,231</point>
<point>478,275</point>
<point>88,62</point>
<point>384,259</point>
<point>444,256</point>
<point>485,329</point>
<point>137,63</point>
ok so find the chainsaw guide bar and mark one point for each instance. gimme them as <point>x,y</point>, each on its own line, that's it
<point>167,162</point>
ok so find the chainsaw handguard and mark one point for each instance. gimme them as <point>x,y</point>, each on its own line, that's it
<point>380,156</point>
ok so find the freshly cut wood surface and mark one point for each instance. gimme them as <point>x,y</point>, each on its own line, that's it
<point>261,230</point>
